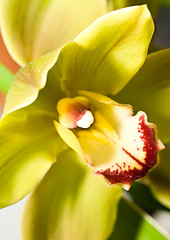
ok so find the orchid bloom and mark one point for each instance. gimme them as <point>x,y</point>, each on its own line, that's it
<point>58,116</point>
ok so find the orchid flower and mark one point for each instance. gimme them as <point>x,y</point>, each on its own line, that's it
<point>65,139</point>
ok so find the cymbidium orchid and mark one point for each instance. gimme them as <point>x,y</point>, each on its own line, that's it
<point>58,117</point>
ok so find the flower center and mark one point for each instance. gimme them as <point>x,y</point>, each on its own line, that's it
<point>75,112</point>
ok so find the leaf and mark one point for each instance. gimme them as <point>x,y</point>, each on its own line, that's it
<point>32,28</point>
<point>143,197</point>
<point>134,224</point>
<point>6,79</point>
<point>70,203</point>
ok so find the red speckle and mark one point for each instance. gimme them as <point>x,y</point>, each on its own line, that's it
<point>118,165</point>
<point>150,145</point>
<point>138,149</point>
<point>126,176</point>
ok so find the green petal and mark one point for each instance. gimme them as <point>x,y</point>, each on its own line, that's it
<point>149,91</point>
<point>70,203</point>
<point>32,28</point>
<point>105,56</point>
<point>29,145</point>
<point>160,178</point>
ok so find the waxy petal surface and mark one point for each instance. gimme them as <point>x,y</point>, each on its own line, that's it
<point>149,91</point>
<point>105,56</point>
<point>70,203</point>
<point>32,28</point>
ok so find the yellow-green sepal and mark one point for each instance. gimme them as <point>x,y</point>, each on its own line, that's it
<point>29,141</point>
<point>159,178</point>
<point>105,56</point>
<point>149,91</point>
<point>70,203</point>
<point>29,145</point>
<point>33,28</point>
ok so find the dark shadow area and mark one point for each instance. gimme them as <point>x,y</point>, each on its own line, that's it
<point>124,229</point>
<point>132,224</point>
<point>162,35</point>
<point>143,197</point>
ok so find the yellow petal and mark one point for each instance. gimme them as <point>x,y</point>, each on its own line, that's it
<point>71,204</point>
<point>105,56</point>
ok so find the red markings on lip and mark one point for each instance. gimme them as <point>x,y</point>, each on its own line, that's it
<point>150,147</point>
<point>135,159</point>
<point>126,176</point>
<point>118,166</point>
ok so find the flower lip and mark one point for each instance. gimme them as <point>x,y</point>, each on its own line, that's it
<point>75,112</point>
<point>151,147</point>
